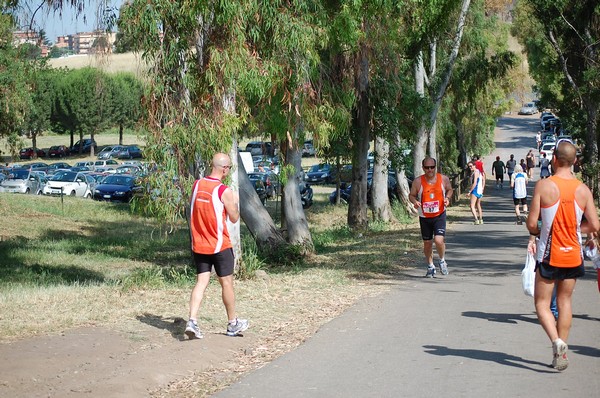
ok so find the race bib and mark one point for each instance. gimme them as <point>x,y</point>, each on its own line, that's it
<point>431,207</point>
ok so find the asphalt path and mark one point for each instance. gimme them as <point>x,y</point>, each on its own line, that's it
<point>472,333</point>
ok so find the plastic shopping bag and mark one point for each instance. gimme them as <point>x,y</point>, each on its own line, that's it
<point>528,275</point>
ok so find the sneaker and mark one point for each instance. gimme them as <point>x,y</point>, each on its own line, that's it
<point>559,351</point>
<point>240,325</point>
<point>481,222</point>
<point>430,272</point>
<point>444,267</point>
<point>192,330</point>
<point>476,222</point>
<point>519,221</point>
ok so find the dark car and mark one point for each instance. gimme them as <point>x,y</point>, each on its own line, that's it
<point>130,152</point>
<point>52,167</point>
<point>30,153</point>
<point>257,148</point>
<point>58,151</point>
<point>85,145</point>
<point>262,185</point>
<point>117,188</point>
<point>322,173</point>
<point>345,190</point>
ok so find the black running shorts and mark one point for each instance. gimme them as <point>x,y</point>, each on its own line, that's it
<point>548,271</point>
<point>433,226</point>
<point>223,262</point>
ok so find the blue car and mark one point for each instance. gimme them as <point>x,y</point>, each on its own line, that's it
<point>117,188</point>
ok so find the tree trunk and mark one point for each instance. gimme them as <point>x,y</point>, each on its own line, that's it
<point>380,201</point>
<point>120,133</point>
<point>296,224</point>
<point>228,102</point>
<point>361,121</point>
<point>423,133</point>
<point>258,220</point>
<point>460,143</point>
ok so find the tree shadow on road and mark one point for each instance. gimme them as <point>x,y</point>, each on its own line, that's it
<point>502,318</point>
<point>491,356</point>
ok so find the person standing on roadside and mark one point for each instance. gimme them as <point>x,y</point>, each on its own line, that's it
<point>430,194</point>
<point>476,193</point>
<point>212,203</point>
<point>538,139</point>
<point>544,167</point>
<point>518,183</point>
<point>561,201</point>
<point>498,168</point>
<point>530,158</point>
<point>510,166</point>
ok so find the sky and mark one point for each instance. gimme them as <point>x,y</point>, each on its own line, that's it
<point>69,23</point>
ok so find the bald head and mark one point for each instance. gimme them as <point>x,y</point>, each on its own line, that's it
<point>220,160</point>
<point>565,154</point>
<point>221,164</point>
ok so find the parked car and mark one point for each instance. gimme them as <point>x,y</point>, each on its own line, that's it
<point>37,166</point>
<point>110,152</point>
<point>117,187</point>
<point>306,195</point>
<point>528,109</point>
<point>548,149</point>
<point>88,164</point>
<point>85,145</point>
<point>308,149</point>
<point>346,188</point>
<point>322,173</point>
<point>260,148</point>
<point>30,153</point>
<point>544,120</point>
<point>58,151</point>
<point>67,182</point>
<point>80,168</point>
<point>128,169</point>
<point>269,180</point>
<point>262,185</point>
<point>109,163</point>
<point>130,152</point>
<point>20,180</point>
<point>53,167</point>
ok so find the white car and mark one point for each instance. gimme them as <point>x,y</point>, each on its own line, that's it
<point>66,182</point>
<point>22,181</point>
<point>528,109</point>
<point>548,149</point>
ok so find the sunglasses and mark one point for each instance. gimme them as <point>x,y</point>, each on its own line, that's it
<point>429,167</point>
<point>226,167</point>
<point>563,140</point>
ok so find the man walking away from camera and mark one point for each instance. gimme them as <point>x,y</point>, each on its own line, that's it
<point>212,202</point>
<point>562,201</point>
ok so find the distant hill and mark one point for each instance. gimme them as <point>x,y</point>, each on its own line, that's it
<point>127,62</point>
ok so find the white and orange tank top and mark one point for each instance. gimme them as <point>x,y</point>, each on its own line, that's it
<point>208,227</point>
<point>560,235</point>
<point>431,196</point>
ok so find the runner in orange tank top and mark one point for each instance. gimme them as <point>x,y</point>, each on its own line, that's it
<point>430,194</point>
<point>561,202</point>
<point>212,203</point>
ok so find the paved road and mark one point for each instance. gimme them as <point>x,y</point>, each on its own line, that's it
<point>472,333</point>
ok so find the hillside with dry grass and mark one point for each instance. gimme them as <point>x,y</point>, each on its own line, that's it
<point>112,63</point>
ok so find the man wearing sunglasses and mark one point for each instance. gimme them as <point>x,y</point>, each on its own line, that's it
<point>212,203</point>
<point>430,194</point>
<point>566,208</point>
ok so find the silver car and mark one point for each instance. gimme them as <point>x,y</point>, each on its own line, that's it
<point>22,181</point>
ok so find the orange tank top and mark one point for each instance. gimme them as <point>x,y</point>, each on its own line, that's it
<point>560,237</point>
<point>208,227</point>
<point>431,196</point>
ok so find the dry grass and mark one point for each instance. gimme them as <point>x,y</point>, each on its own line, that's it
<point>286,307</point>
<point>111,63</point>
